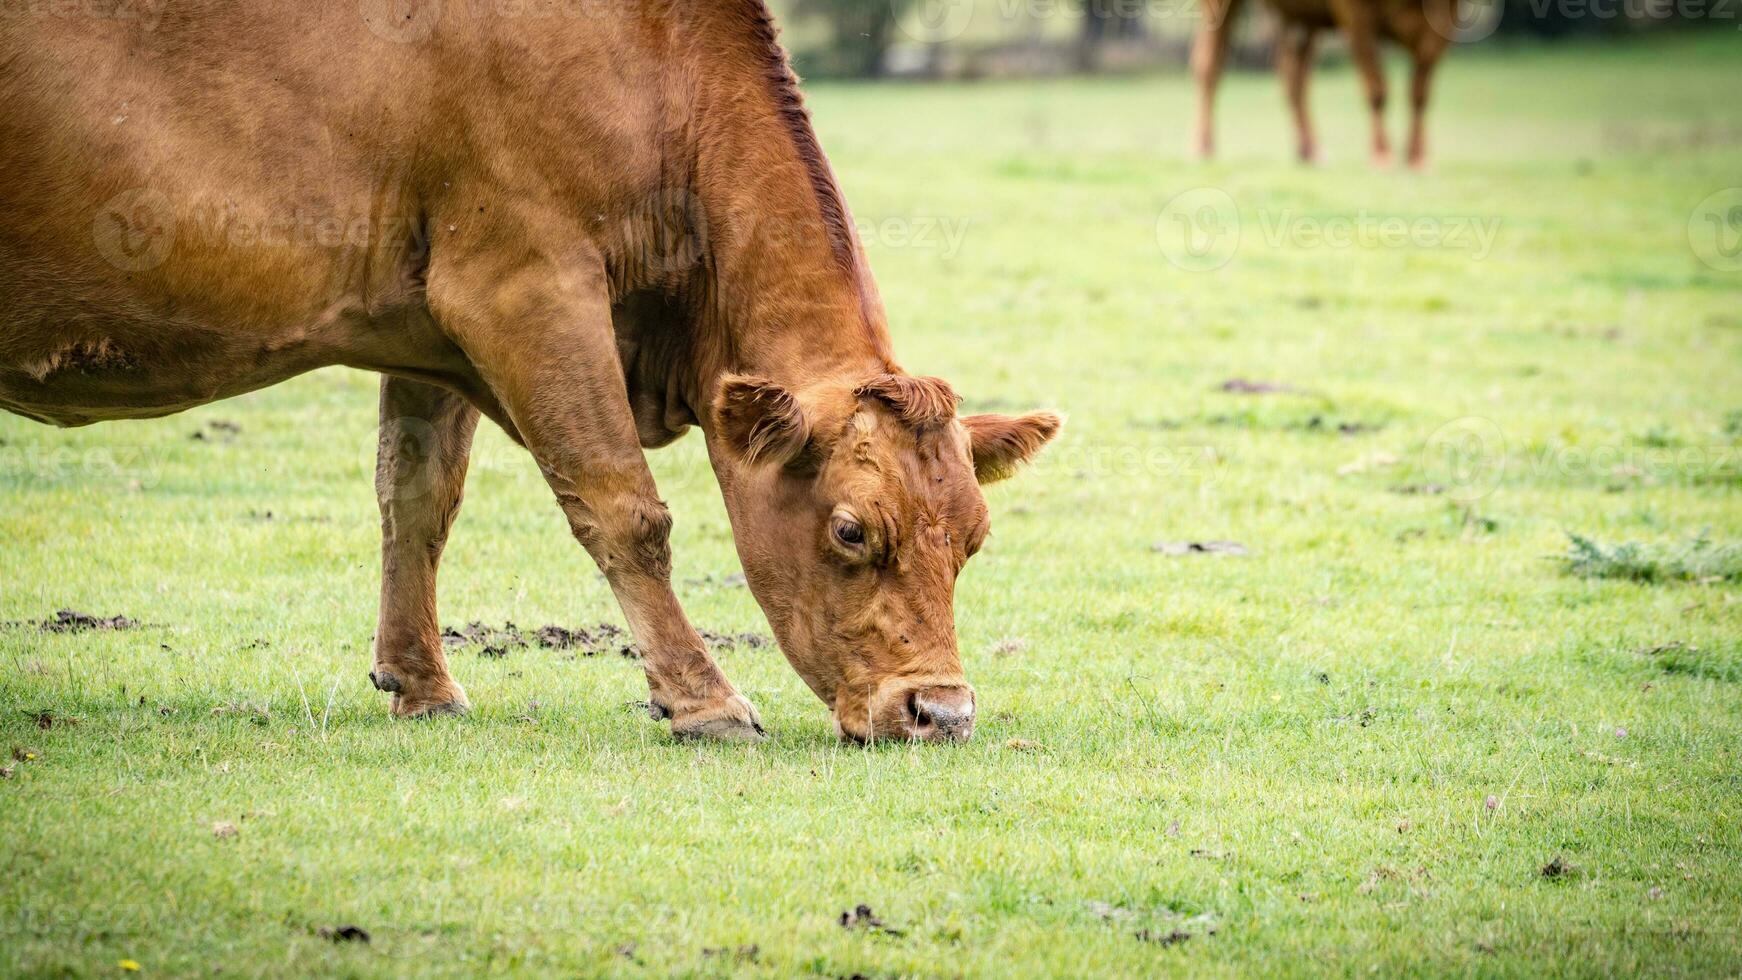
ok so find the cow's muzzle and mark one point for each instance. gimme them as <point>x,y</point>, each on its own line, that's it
<point>939,714</point>
<point>916,710</point>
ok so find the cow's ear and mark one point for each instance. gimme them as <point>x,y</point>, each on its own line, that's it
<point>1001,443</point>
<point>761,422</point>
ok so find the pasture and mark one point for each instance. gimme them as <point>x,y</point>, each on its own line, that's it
<point>1392,732</point>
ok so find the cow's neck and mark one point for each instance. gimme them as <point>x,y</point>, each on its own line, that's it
<point>785,291</point>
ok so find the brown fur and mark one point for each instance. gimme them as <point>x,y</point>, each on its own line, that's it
<point>595,231</point>
<point>918,402</point>
<point>1422,27</point>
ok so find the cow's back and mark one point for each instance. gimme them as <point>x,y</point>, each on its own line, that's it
<point>1409,22</point>
<point>209,197</point>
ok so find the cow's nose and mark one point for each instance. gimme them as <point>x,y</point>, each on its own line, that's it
<point>942,714</point>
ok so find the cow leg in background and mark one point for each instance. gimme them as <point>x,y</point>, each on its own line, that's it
<point>1294,60</point>
<point>1427,55</point>
<point>542,339</point>
<point>1209,56</point>
<point>420,476</point>
<point>1360,23</point>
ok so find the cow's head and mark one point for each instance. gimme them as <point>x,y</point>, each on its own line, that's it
<point>855,507</point>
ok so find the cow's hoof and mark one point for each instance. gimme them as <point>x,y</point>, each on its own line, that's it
<point>422,700</point>
<point>732,720</point>
<point>405,708</point>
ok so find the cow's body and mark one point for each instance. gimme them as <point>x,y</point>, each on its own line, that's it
<point>217,199</point>
<point>1423,28</point>
<point>583,221</point>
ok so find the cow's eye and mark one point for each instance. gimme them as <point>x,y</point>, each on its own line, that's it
<point>848,532</point>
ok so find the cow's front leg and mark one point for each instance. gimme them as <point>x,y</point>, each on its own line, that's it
<point>1209,55</point>
<point>420,476</point>
<point>542,340</point>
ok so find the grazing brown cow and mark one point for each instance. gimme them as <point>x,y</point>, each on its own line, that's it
<point>1422,27</point>
<point>596,224</point>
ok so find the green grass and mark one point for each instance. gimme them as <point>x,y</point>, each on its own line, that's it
<point>1697,560</point>
<point>1353,749</point>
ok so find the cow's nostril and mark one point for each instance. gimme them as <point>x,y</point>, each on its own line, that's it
<point>917,717</point>
<point>943,712</point>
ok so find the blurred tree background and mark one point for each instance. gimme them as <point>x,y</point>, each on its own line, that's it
<point>859,36</point>
<point>1005,38</point>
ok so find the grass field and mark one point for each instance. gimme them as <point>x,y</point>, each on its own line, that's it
<point>1395,736</point>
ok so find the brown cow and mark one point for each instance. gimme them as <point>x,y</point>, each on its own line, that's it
<point>597,224</point>
<point>1423,27</point>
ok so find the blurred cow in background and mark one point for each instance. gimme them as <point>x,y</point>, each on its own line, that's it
<point>1423,27</point>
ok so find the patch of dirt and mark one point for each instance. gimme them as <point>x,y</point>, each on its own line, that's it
<point>1169,938</point>
<point>217,430</point>
<point>46,720</point>
<point>1419,489</point>
<point>1680,657</point>
<point>742,954</point>
<point>1318,423</point>
<point>1608,760</point>
<point>267,516</point>
<point>498,641</point>
<point>1559,867</point>
<point>1310,423</point>
<point>732,641</point>
<point>734,580</point>
<point>1244,386</point>
<point>259,714</point>
<point>1378,876</point>
<point>343,934</point>
<point>73,621</point>
<point>1175,549</point>
<point>1178,932</point>
<point>861,917</point>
